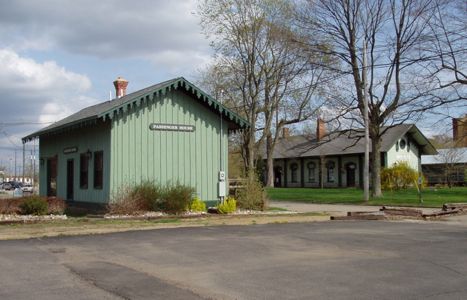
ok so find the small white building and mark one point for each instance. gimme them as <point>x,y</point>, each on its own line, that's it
<point>19,179</point>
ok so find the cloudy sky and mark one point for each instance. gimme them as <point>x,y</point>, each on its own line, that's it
<point>59,56</point>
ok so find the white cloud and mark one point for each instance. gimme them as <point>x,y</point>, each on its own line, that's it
<point>31,91</point>
<point>105,28</point>
<point>25,74</point>
<point>176,62</point>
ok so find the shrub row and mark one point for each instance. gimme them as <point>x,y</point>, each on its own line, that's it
<point>150,196</point>
<point>33,205</point>
<point>177,198</point>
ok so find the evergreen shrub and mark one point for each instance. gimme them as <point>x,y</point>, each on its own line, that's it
<point>34,206</point>
<point>174,198</point>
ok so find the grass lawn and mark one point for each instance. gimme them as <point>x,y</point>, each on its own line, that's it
<point>431,197</point>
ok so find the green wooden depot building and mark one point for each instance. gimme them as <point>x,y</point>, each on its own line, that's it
<point>171,131</point>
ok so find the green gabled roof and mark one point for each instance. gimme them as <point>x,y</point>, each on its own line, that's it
<point>106,110</point>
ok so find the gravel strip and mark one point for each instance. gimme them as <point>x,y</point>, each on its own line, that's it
<point>14,217</point>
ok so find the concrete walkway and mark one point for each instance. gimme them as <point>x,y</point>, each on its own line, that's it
<point>334,209</point>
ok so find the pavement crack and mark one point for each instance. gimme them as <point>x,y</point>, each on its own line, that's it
<point>128,283</point>
<point>92,282</point>
<point>444,267</point>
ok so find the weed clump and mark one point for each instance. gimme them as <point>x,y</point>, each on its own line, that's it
<point>252,196</point>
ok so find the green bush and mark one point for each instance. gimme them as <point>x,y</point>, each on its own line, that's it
<point>252,196</point>
<point>147,192</point>
<point>228,206</point>
<point>399,176</point>
<point>13,205</point>
<point>197,205</point>
<point>135,199</point>
<point>150,196</point>
<point>174,198</point>
<point>34,206</point>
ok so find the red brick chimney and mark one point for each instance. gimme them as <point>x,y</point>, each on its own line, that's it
<point>285,132</point>
<point>320,129</point>
<point>120,87</point>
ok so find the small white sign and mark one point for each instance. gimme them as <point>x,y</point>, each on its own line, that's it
<point>70,150</point>
<point>171,127</point>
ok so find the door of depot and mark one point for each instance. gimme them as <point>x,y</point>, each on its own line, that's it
<point>69,179</point>
<point>52,176</point>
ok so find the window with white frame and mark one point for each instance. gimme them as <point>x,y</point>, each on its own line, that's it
<point>294,172</point>
<point>331,168</point>
<point>311,166</point>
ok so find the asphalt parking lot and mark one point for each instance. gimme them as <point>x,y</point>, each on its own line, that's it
<point>322,260</point>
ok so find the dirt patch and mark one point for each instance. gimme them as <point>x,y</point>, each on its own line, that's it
<point>83,226</point>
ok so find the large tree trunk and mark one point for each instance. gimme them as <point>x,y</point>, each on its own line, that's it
<point>269,161</point>
<point>376,167</point>
<point>249,150</point>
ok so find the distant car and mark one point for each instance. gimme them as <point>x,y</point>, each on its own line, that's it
<point>27,188</point>
<point>16,184</point>
<point>7,186</point>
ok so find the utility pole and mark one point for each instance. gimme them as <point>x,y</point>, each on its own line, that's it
<point>24,159</point>
<point>366,170</point>
<point>34,162</point>
<point>15,164</point>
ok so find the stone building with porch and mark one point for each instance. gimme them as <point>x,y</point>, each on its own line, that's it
<point>336,159</point>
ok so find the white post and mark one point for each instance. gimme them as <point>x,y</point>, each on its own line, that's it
<point>221,161</point>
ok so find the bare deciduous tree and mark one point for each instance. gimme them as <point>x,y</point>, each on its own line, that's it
<point>393,32</point>
<point>449,44</point>
<point>265,75</point>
